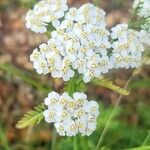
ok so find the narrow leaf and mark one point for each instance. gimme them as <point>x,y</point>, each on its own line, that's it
<point>109,84</point>
<point>32,117</point>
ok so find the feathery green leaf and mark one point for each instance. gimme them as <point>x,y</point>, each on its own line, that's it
<point>32,117</point>
<point>109,84</point>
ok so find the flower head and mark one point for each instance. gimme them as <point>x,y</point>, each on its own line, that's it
<point>145,37</point>
<point>45,12</point>
<point>78,44</point>
<point>127,47</point>
<point>71,115</point>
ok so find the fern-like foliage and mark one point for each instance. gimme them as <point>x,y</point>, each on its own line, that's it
<point>75,84</point>
<point>109,84</point>
<point>32,117</point>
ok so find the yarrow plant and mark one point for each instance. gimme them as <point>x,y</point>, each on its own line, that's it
<point>80,50</point>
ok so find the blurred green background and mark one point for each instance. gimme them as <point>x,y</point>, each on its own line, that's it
<point>21,89</point>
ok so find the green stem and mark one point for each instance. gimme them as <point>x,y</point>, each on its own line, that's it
<point>99,144</point>
<point>146,139</point>
<point>112,114</point>
<point>74,85</point>
<point>3,140</point>
<point>75,147</point>
<point>54,139</point>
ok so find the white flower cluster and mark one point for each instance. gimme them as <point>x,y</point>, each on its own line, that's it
<point>71,115</point>
<point>80,42</point>
<point>145,37</point>
<point>144,7</point>
<point>50,60</point>
<point>127,48</point>
<point>45,12</point>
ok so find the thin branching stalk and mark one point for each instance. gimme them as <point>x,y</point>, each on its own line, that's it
<point>3,139</point>
<point>54,139</point>
<point>75,143</point>
<point>28,137</point>
<point>111,116</point>
<point>135,72</point>
<point>146,139</point>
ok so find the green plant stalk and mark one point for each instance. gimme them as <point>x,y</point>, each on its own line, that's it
<point>76,84</point>
<point>99,144</point>
<point>3,140</point>
<point>146,139</point>
<point>111,116</point>
<point>75,143</point>
<point>73,86</point>
<point>28,137</point>
<point>54,138</point>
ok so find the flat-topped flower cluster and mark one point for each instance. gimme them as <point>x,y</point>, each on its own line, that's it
<point>45,12</point>
<point>81,42</point>
<point>145,36</point>
<point>127,50</point>
<point>71,115</point>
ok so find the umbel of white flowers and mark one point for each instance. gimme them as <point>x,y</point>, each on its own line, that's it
<point>44,12</point>
<point>81,42</point>
<point>78,43</point>
<point>71,115</point>
<point>127,48</point>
